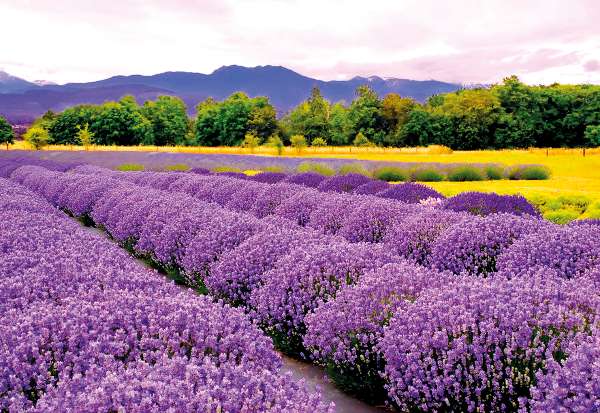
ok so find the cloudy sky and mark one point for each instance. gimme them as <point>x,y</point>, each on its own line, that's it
<point>466,41</point>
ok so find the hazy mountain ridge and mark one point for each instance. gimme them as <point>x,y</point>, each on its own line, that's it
<point>22,101</point>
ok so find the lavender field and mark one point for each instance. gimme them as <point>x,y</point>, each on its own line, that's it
<point>408,300</point>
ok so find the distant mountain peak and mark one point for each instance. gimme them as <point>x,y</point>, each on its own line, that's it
<point>284,87</point>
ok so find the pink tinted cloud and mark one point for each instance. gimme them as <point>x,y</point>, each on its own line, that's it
<point>461,40</point>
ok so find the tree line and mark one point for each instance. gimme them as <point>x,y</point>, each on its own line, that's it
<point>508,115</point>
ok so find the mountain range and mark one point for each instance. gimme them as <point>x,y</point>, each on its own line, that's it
<point>22,101</point>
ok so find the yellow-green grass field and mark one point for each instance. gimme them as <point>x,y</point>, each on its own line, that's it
<point>573,191</point>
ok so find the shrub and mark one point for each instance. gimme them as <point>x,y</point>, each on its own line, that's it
<point>371,188</point>
<point>308,179</point>
<point>343,183</point>
<point>481,203</point>
<point>390,174</point>
<point>305,278</point>
<point>268,177</point>
<point>568,251</point>
<point>343,334</point>
<point>439,150</point>
<point>275,141</point>
<point>224,168</point>
<point>177,167</point>
<point>472,246</point>
<point>319,142</point>
<point>37,137</point>
<point>494,172</point>
<point>361,140</point>
<point>529,172</point>
<point>465,173</point>
<point>251,141</point>
<point>561,216</point>
<point>319,168</point>
<point>273,168</point>
<point>353,168</point>
<point>573,385</point>
<point>477,345</point>
<point>298,142</point>
<point>426,175</point>
<point>410,192</point>
<point>130,167</point>
<point>200,171</point>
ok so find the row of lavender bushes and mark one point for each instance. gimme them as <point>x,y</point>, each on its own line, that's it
<point>431,308</point>
<point>423,173</point>
<point>87,328</point>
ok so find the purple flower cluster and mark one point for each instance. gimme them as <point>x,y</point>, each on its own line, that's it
<point>306,277</point>
<point>572,385</point>
<point>85,327</point>
<point>343,183</point>
<point>477,345</point>
<point>343,334</point>
<point>414,235</point>
<point>481,203</point>
<point>309,179</point>
<point>410,192</point>
<point>269,177</point>
<point>472,246</point>
<point>370,288</point>
<point>568,252</point>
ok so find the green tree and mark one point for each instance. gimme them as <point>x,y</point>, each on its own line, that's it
<point>364,116</point>
<point>361,140</point>
<point>276,142</point>
<point>64,127</point>
<point>310,118</point>
<point>7,135</point>
<point>251,141</point>
<point>339,125</point>
<point>37,137</point>
<point>122,123</point>
<point>592,135</point>
<point>85,137</point>
<point>395,111</point>
<point>298,142</point>
<point>318,141</point>
<point>169,120</point>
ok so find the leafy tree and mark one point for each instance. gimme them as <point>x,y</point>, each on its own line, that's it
<point>227,122</point>
<point>7,135</point>
<point>251,141</point>
<point>395,111</point>
<point>310,118</point>
<point>85,137</point>
<point>298,142</point>
<point>64,127</point>
<point>37,137</point>
<point>364,115</point>
<point>276,142</point>
<point>168,117</point>
<point>361,140</point>
<point>122,123</point>
<point>318,141</point>
<point>339,125</point>
<point>592,135</point>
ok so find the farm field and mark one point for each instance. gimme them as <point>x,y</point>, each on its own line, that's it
<point>406,299</point>
<point>572,191</point>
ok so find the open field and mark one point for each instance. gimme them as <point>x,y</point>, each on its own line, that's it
<point>390,295</point>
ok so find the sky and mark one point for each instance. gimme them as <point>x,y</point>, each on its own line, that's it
<point>463,41</point>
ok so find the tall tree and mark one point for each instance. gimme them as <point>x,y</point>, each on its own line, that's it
<point>7,135</point>
<point>364,115</point>
<point>168,116</point>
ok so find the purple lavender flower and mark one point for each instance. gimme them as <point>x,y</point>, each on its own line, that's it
<point>371,188</point>
<point>472,246</point>
<point>309,179</point>
<point>268,177</point>
<point>410,192</point>
<point>481,203</point>
<point>343,183</point>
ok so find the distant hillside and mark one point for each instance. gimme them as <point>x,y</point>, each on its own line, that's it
<point>22,101</point>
